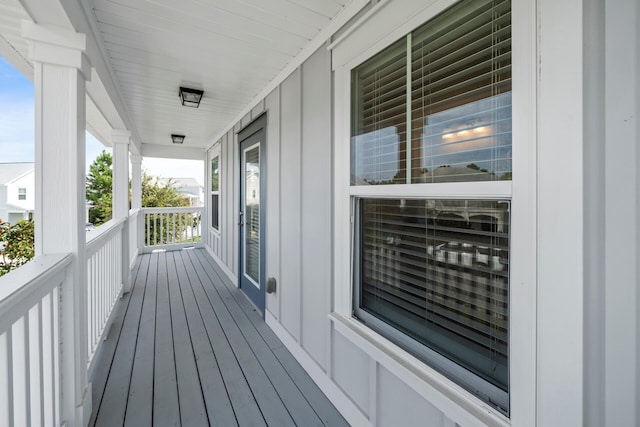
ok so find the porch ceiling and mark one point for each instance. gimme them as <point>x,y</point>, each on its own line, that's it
<point>231,49</point>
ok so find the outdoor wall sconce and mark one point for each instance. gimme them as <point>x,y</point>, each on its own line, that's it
<point>177,139</point>
<point>190,97</point>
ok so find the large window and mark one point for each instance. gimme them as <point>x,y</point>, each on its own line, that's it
<point>215,191</point>
<point>433,111</point>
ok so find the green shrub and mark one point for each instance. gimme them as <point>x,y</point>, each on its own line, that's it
<point>16,245</point>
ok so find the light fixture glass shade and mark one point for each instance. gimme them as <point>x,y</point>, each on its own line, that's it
<point>177,139</point>
<point>190,97</point>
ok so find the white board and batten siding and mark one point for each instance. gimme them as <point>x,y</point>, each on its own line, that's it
<point>298,232</point>
<point>369,379</point>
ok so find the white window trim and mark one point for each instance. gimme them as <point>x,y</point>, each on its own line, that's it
<point>213,153</point>
<point>366,41</point>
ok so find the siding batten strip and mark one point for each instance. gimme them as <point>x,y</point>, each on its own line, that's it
<point>301,205</point>
<point>279,198</point>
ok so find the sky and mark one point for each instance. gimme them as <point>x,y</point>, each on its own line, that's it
<point>17,134</point>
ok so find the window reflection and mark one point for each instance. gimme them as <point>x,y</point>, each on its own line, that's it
<point>471,142</point>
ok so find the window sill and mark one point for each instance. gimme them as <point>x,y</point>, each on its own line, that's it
<point>453,400</point>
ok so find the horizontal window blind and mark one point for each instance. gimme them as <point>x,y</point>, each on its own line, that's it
<point>438,270</point>
<point>215,192</point>
<point>457,111</point>
<point>215,220</point>
<point>378,146</point>
<point>215,174</point>
<point>252,215</point>
<point>461,94</point>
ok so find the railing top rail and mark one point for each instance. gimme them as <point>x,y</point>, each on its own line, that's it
<point>97,237</point>
<point>174,209</point>
<point>25,286</point>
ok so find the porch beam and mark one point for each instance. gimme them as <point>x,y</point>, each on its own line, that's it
<point>61,70</point>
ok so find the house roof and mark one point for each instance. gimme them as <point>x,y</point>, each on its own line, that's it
<point>11,171</point>
<point>180,182</point>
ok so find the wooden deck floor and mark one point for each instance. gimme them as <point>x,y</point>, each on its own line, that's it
<point>186,348</point>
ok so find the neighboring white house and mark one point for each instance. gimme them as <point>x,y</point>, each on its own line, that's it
<point>16,191</point>
<point>188,187</point>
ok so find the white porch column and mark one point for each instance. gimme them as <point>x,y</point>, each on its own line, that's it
<point>121,139</point>
<point>136,197</point>
<point>136,181</point>
<point>61,70</point>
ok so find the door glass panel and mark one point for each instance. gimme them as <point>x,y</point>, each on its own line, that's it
<point>252,213</point>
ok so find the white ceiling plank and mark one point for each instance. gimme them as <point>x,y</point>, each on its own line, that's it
<point>208,50</point>
<point>218,76</point>
<point>327,7</point>
<point>251,14</point>
<point>272,10</point>
<point>218,24</point>
<point>209,58</point>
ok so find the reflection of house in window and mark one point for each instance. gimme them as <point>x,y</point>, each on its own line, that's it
<point>253,185</point>
<point>471,142</point>
<point>376,156</point>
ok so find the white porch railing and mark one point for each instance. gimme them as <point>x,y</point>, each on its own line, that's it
<point>136,219</point>
<point>33,337</point>
<point>172,228</point>
<point>104,278</point>
<point>30,337</point>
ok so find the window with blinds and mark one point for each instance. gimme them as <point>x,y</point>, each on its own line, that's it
<point>432,274</point>
<point>456,117</point>
<point>215,192</point>
<point>438,271</point>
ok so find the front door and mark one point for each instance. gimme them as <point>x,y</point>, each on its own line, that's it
<point>251,223</point>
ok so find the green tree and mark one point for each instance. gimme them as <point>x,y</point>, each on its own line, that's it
<point>99,187</point>
<point>165,228</point>
<point>16,245</point>
<point>156,194</point>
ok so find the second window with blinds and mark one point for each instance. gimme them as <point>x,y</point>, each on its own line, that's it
<point>215,189</point>
<point>432,268</point>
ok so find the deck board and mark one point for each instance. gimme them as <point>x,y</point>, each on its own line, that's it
<point>113,402</point>
<point>272,408</point>
<point>299,409</point>
<point>323,407</point>
<point>189,349</point>
<point>105,356</point>
<point>166,411</point>
<point>140,403</point>
<point>238,390</point>
<point>192,408</point>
